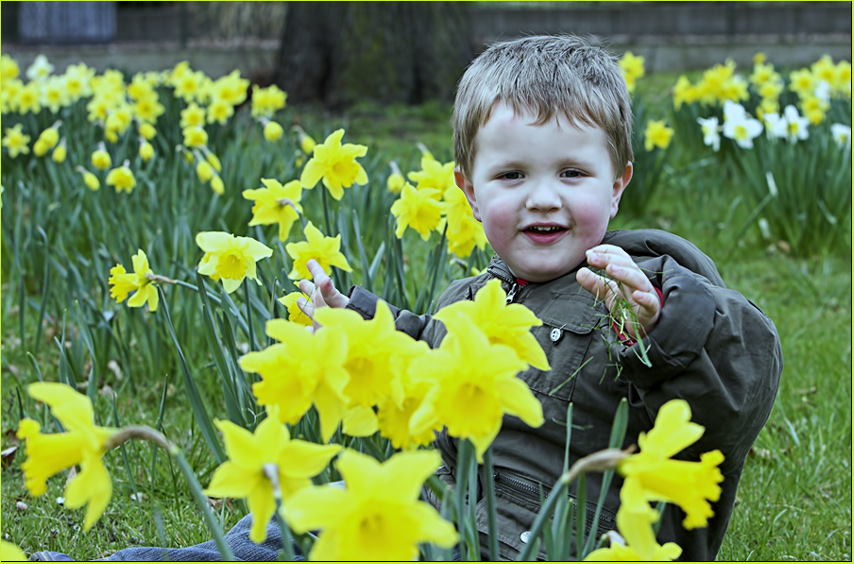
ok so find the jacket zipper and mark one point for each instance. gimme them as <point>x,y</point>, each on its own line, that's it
<point>533,494</point>
<point>512,293</point>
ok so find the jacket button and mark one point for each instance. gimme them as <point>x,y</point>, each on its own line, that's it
<point>525,536</point>
<point>555,335</point>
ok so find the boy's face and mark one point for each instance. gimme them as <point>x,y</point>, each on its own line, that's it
<point>544,193</point>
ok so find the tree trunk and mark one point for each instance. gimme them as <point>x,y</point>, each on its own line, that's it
<point>339,53</point>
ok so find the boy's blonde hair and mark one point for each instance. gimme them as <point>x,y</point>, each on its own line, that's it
<point>546,76</point>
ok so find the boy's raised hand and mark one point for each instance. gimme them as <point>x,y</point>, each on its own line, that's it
<point>321,292</point>
<point>626,281</point>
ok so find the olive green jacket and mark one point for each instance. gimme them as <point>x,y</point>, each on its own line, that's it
<point>711,347</point>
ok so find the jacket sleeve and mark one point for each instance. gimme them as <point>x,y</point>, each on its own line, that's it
<point>418,327</point>
<point>713,348</point>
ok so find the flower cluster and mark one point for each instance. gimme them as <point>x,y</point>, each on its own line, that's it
<point>435,204</point>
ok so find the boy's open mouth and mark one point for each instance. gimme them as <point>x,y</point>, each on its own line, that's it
<point>544,229</point>
<point>544,234</point>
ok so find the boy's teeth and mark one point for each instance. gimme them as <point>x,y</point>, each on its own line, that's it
<point>544,228</point>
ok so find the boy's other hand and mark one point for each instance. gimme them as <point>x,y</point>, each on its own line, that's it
<point>321,292</point>
<point>625,280</point>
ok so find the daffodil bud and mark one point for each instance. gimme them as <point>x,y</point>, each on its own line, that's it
<point>217,185</point>
<point>101,159</point>
<point>273,131</point>
<point>146,151</point>
<point>204,171</point>
<point>214,161</point>
<point>147,130</point>
<point>59,153</point>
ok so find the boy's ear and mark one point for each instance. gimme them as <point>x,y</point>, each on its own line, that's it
<point>619,185</point>
<point>468,190</point>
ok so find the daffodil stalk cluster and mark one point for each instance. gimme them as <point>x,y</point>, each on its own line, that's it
<point>770,129</point>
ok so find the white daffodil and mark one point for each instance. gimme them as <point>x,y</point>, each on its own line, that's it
<point>711,132</point>
<point>841,134</point>
<point>796,125</point>
<point>739,126</point>
<point>40,69</point>
<point>733,111</point>
<point>822,91</point>
<point>775,126</point>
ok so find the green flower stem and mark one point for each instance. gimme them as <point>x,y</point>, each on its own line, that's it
<point>489,492</point>
<point>202,502</point>
<point>148,434</point>
<point>271,472</point>
<point>596,462</point>
<point>189,286</point>
<point>249,315</point>
<point>462,479</point>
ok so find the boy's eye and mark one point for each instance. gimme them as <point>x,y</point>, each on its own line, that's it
<point>571,173</point>
<point>512,175</point>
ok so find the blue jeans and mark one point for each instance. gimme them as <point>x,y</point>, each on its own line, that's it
<point>237,539</point>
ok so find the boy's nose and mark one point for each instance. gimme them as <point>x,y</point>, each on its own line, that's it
<point>543,197</point>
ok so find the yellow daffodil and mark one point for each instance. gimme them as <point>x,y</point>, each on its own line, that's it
<point>266,101</point>
<point>295,313</point>
<point>82,443</point>
<point>690,485</point>
<point>372,350</point>
<point>276,204</point>
<point>683,92</point>
<point>29,99</point>
<point>475,385</point>
<point>302,369</point>
<point>634,521</point>
<point>269,449</point>
<point>464,232</point>
<point>434,174</point>
<point>10,552</point>
<point>273,131</point>
<point>195,136</point>
<point>192,116</point>
<point>632,67</point>
<point>16,141</point>
<point>336,165</point>
<point>122,179</point>
<point>122,283</point>
<point>101,159</point>
<point>657,134</point>
<point>378,515</point>
<point>219,111</point>
<point>394,416</point>
<point>417,208</point>
<point>229,258</point>
<point>8,68</point>
<point>502,323</point>
<point>325,250</point>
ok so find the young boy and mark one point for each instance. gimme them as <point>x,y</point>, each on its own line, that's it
<point>542,139</point>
